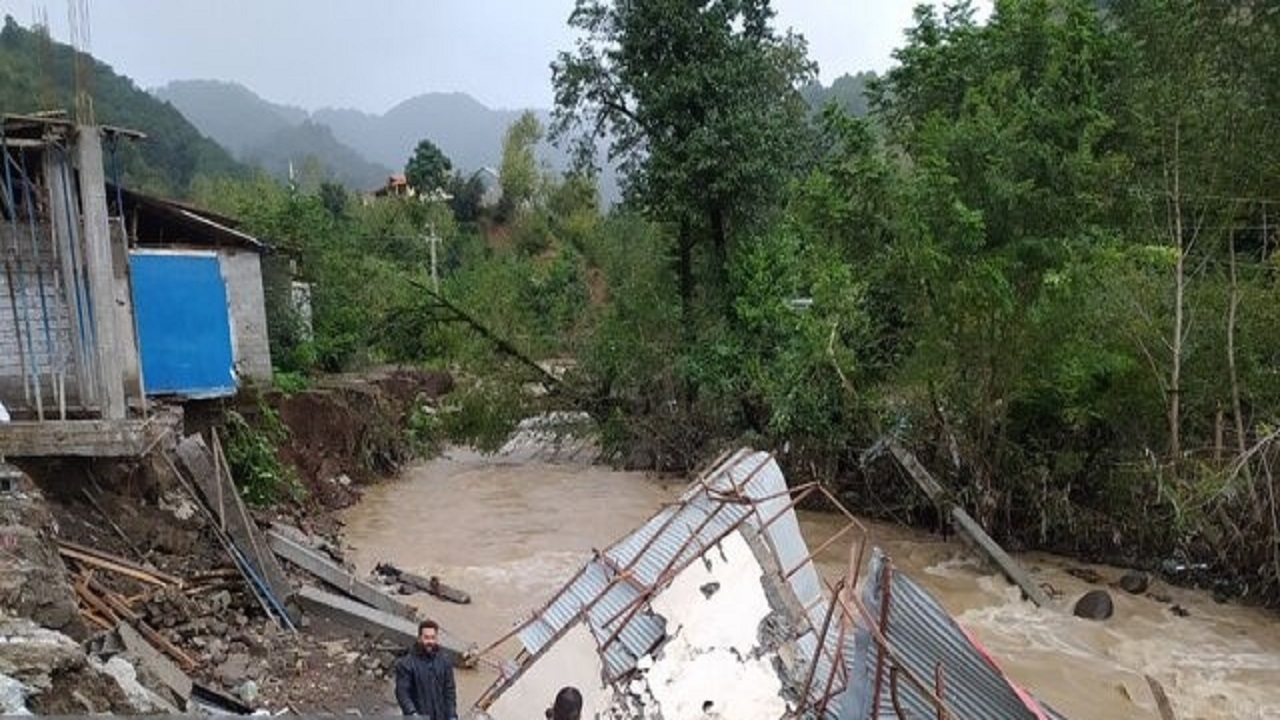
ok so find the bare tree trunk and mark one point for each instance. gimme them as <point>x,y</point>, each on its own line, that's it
<point>1179,282</point>
<point>684,271</point>
<point>1232,309</point>
<point>1217,436</point>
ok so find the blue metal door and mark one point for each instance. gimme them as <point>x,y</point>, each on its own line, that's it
<point>184,331</point>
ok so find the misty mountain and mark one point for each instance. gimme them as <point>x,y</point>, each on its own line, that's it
<point>230,114</point>
<point>294,144</point>
<point>269,135</point>
<point>467,131</point>
<point>359,149</point>
<point>37,73</point>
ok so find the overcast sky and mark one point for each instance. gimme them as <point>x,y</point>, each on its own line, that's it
<point>372,54</point>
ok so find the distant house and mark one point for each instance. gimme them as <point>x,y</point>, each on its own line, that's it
<point>397,186</point>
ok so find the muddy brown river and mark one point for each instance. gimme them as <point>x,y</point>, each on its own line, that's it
<point>512,531</point>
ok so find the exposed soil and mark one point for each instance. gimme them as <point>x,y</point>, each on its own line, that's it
<point>348,430</point>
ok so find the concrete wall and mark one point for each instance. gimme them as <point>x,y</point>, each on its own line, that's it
<point>713,664</point>
<point>242,271</point>
<point>573,660</point>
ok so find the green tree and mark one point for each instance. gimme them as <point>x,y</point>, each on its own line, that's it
<point>428,169</point>
<point>519,176</point>
<point>701,106</point>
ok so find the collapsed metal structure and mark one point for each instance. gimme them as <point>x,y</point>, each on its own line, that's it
<point>877,648</point>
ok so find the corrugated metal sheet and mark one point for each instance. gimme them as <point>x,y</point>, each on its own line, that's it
<point>922,636</point>
<point>665,545</point>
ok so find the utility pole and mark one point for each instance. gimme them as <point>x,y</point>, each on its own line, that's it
<point>432,241</point>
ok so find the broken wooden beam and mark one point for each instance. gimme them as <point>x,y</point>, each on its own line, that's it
<point>320,566</point>
<point>375,623</point>
<point>430,585</point>
<point>114,610</point>
<point>965,524</point>
<point>113,563</point>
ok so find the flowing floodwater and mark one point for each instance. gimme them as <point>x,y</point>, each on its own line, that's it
<point>512,531</point>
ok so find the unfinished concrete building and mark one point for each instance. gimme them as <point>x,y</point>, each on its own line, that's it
<point>69,370</point>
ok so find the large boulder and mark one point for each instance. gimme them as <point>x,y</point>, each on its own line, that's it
<point>1094,605</point>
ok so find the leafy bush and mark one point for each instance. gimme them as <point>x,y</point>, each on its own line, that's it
<point>251,455</point>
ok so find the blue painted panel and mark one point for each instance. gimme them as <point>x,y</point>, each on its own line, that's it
<point>184,333</point>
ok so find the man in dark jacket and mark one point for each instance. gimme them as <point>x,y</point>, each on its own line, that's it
<point>424,678</point>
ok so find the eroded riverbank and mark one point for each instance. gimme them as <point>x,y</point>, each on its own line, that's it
<point>511,532</point>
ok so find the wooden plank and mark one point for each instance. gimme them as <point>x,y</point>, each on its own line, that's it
<point>195,455</point>
<point>965,524</point>
<point>323,568</point>
<point>117,560</point>
<point>117,612</point>
<point>116,566</point>
<point>376,623</point>
<point>96,603</point>
<point>78,438</point>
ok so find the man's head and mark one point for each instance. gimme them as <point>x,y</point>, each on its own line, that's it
<point>428,635</point>
<point>568,705</point>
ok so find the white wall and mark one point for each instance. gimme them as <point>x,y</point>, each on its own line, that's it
<point>572,660</point>
<point>242,273</point>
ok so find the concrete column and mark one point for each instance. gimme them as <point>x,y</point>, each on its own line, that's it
<point>101,272</point>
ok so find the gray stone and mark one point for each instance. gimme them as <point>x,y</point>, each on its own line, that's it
<point>234,669</point>
<point>248,691</point>
<point>1094,605</point>
<point>1135,582</point>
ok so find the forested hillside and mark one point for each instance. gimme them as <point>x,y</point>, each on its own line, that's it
<point>38,74</point>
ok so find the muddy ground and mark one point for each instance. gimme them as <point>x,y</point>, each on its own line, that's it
<point>344,435</point>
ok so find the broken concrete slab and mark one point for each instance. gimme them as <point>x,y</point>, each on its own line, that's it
<point>223,500</point>
<point>13,696</point>
<point>33,655</point>
<point>375,623</point>
<point>320,566</point>
<point>146,656</point>
<point>142,698</point>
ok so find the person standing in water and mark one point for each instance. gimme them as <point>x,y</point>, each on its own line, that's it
<point>424,678</point>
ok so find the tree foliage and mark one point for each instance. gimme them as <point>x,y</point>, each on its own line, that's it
<point>428,169</point>
<point>701,106</point>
